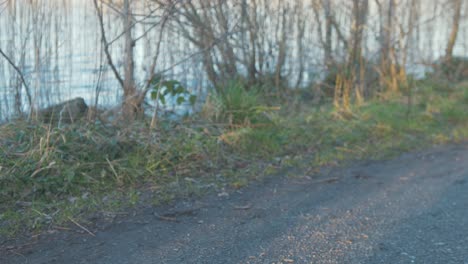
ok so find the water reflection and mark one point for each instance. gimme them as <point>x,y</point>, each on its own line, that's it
<point>57,45</point>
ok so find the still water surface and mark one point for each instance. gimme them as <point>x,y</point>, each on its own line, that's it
<point>57,45</point>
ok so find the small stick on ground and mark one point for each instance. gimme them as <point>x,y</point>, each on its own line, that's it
<point>166,218</point>
<point>243,207</point>
<point>327,180</point>
<point>62,228</point>
<point>82,227</point>
<point>15,248</point>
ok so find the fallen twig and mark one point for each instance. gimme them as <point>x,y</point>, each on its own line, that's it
<point>16,247</point>
<point>327,180</point>
<point>166,218</point>
<point>62,228</point>
<point>82,227</point>
<point>243,207</point>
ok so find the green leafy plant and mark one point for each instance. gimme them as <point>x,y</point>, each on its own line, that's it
<point>162,90</point>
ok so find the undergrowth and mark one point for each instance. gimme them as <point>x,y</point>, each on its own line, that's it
<point>49,175</point>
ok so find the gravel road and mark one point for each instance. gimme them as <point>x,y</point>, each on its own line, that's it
<point>412,209</point>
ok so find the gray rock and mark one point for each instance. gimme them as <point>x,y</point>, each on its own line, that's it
<point>66,112</point>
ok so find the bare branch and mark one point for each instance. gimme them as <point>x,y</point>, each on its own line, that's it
<point>26,86</point>
<point>106,45</point>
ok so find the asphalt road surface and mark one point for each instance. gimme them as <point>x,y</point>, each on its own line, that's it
<point>412,209</point>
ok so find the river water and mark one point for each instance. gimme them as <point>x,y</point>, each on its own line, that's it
<point>57,46</point>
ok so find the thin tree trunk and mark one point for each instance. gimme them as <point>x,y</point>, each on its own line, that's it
<point>328,33</point>
<point>357,29</point>
<point>457,4</point>
<point>281,53</point>
<point>253,30</point>
<point>300,45</point>
<point>388,32</point>
<point>131,104</point>
<point>356,61</point>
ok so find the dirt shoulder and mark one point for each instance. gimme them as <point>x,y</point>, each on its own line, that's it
<point>409,209</point>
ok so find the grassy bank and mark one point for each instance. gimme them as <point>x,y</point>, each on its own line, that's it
<point>50,177</point>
